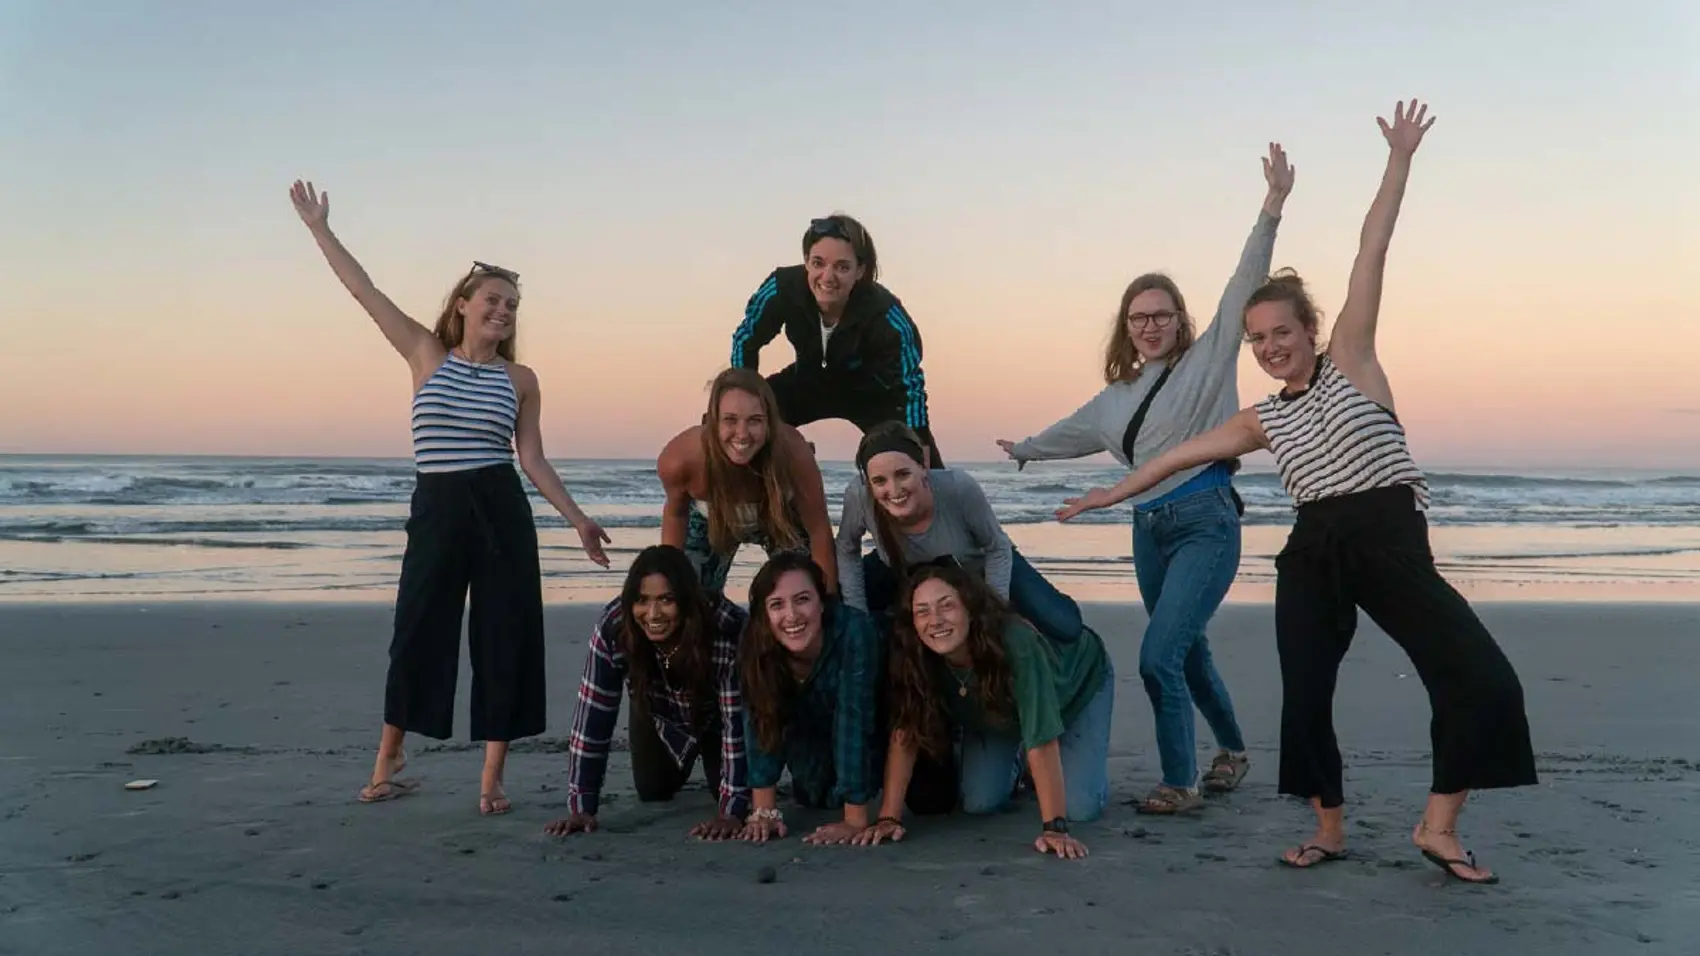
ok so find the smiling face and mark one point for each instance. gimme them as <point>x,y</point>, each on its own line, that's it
<point>941,620</point>
<point>656,609</point>
<point>899,486</point>
<point>794,613</point>
<point>1284,348</point>
<point>833,271</point>
<point>1153,322</point>
<point>489,312</point>
<point>741,425</point>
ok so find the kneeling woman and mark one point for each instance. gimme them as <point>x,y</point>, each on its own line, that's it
<point>920,516</point>
<point>678,652</point>
<point>811,670</point>
<point>963,659</point>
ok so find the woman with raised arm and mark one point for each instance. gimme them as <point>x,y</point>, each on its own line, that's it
<point>964,662</point>
<point>920,516</point>
<point>470,523</point>
<point>677,651</point>
<point>1164,387</point>
<point>757,476</point>
<point>1360,540</point>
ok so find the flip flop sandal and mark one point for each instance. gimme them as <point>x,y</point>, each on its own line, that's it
<point>1328,856</point>
<point>1469,861</point>
<point>385,790</point>
<point>1166,801</point>
<point>1225,773</point>
<point>494,804</point>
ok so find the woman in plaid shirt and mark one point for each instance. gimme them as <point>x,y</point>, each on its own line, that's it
<point>678,652</point>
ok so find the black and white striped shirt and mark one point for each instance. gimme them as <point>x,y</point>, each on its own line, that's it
<point>1333,440</point>
<point>463,417</point>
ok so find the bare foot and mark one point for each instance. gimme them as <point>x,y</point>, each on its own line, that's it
<point>1441,847</point>
<point>1324,846</point>
<point>493,804</point>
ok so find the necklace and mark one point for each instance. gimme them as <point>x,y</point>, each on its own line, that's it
<point>961,683</point>
<point>667,656</point>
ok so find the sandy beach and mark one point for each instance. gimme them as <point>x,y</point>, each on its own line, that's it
<point>259,721</point>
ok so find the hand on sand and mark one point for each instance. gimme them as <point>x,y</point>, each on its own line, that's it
<point>1406,132</point>
<point>1277,173</point>
<point>1009,449</point>
<point>577,823</point>
<point>591,535</point>
<point>834,834</point>
<point>760,831</point>
<point>1091,501</point>
<point>882,830</point>
<point>1061,844</point>
<point>312,206</point>
<point>717,829</point>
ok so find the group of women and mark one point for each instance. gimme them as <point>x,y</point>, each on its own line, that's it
<point>940,672</point>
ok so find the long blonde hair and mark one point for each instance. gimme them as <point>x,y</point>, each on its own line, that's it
<point>774,517</point>
<point>451,325</point>
<point>1122,361</point>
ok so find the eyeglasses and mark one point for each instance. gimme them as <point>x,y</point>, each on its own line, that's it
<point>485,268</point>
<point>1161,320</point>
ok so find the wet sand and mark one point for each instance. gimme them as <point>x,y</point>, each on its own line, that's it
<point>259,721</point>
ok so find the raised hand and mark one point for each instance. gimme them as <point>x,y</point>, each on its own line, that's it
<point>311,205</point>
<point>1277,172</point>
<point>1406,132</point>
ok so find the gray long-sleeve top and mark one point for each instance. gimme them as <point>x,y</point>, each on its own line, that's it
<point>1200,394</point>
<point>963,526</point>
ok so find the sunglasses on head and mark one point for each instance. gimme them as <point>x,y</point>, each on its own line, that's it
<point>830,227</point>
<point>485,268</point>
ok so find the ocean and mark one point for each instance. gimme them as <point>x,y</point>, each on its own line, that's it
<point>310,529</point>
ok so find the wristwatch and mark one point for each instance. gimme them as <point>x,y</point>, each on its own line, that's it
<point>1059,825</point>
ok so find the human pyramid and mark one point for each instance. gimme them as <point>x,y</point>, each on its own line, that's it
<point>939,673</point>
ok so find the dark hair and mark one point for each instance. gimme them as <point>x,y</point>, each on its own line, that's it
<point>840,226</point>
<point>451,324</point>
<point>770,465</point>
<point>763,663</point>
<point>888,436</point>
<point>1122,361</point>
<point>916,697</point>
<point>1286,286</point>
<point>693,661</point>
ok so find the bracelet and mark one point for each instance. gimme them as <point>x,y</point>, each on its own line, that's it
<point>763,813</point>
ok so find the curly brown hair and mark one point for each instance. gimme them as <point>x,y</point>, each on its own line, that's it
<point>917,710</point>
<point>764,665</point>
<point>693,662</point>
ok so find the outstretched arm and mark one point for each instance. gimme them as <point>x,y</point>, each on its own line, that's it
<point>1352,344</point>
<point>413,341</point>
<point>1239,435</point>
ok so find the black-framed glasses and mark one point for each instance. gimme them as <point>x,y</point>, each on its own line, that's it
<point>485,268</point>
<point>1161,320</point>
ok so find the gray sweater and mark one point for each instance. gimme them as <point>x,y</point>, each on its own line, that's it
<point>1200,394</point>
<point>963,526</point>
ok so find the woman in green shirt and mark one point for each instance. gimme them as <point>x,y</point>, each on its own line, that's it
<point>963,659</point>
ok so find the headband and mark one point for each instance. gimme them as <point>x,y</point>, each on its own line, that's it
<point>893,442</point>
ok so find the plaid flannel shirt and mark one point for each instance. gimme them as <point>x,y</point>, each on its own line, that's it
<point>600,686</point>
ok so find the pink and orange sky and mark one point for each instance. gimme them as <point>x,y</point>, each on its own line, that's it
<point>643,169</point>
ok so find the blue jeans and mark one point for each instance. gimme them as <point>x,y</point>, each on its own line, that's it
<point>991,762</point>
<point>1186,552</point>
<point>1051,612</point>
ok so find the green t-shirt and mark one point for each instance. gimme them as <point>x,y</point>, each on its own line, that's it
<point>1051,684</point>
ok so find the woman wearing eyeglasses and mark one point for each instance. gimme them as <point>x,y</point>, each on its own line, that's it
<point>1163,386</point>
<point>470,524</point>
<point>858,352</point>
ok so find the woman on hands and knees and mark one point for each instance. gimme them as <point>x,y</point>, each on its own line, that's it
<point>677,650</point>
<point>757,477</point>
<point>811,670</point>
<point>471,524</point>
<point>1186,529</point>
<point>1360,541</point>
<point>964,661</point>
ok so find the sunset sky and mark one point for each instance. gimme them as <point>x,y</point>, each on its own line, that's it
<point>644,165</point>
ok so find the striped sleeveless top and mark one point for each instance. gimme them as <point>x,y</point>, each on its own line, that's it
<point>463,417</point>
<point>1333,440</point>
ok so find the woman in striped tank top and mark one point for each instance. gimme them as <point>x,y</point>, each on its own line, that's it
<point>1360,540</point>
<point>470,523</point>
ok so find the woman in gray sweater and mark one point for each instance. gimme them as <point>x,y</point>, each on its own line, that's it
<point>1165,384</point>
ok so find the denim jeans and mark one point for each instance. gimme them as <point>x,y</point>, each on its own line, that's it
<point>991,762</point>
<point>1051,612</point>
<point>1186,552</point>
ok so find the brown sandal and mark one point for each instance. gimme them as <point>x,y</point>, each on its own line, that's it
<point>1166,800</point>
<point>1226,772</point>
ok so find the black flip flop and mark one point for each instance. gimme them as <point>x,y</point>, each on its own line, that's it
<point>1469,861</point>
<point>1328,856</point>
